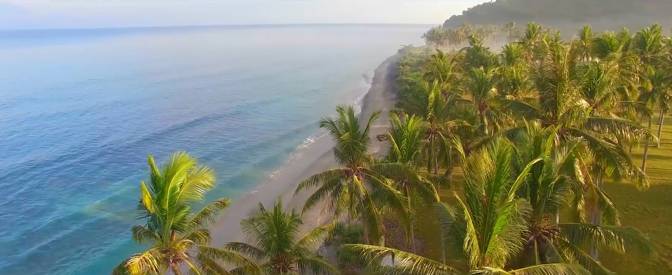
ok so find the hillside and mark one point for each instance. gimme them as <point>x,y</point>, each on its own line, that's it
<point>602,14</point>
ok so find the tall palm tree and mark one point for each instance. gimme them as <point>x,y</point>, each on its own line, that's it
<point>585,43</point>
<point>406,139</point>
<point>352,187</point>
<point>491,223</point>
<point>480,88</point>
<point>277,245</point>
<point>655,92</point>
<point>565,102</point>
<point>649,44</point>
<point>551,184</point>
<point>436,115</point>
<point>178,238</point>
<point>659,94</point>
<point>441,69</point>
<point>477,55</point>
<point>532,40</point>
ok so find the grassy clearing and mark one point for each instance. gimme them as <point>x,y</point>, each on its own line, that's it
<point>647,210</point>
<point>650,210</point>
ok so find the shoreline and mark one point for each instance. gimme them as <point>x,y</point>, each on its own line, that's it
<point>307,161</point>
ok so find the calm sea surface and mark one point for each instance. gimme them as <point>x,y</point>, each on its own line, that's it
<point>80,110</point>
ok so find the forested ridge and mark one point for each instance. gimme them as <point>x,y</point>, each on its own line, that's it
<point>602,14</point>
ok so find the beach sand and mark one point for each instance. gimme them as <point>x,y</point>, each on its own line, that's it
<point>308,161</point>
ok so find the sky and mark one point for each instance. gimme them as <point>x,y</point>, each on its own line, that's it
<point>20,14</point>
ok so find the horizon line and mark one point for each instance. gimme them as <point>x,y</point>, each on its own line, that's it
<point>214,26</point>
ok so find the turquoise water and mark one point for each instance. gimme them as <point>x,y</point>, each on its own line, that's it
<point>81,109</point>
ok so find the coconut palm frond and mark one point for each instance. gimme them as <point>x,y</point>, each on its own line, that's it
<point>316,265</point>
<point>141,234</point>
<point>572,254</point>
<point>550,269</point>
<point>211,267</point>
<point>198,182</point>
<point>199,236</point>
<point>328,189</point>
<point>610,237</point>
<point>148,262</point>
<point>209,212</point>
<point>230,256</point>
<point>404,262</point>
<point>322,177</point>
<point>314,238</point>
<point>246,249</point>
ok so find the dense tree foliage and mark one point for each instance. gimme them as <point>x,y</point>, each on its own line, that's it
<point>526,139</point>
<point>567,13</point>
<point>178,238</point>
<point>543,125</point>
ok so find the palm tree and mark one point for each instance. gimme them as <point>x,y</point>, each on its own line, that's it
<point>659,94</point>
<point>656,91</point>
<point>491,223</point>
<point>177,237</point>
<point>531,40</point>
<point>441,69</point>
<point>576,104</point>
<point>584,45</point>
<point>352,187</point>
<point>480,86</point>
<point>406,137</point>
<point>649,44</point>
<point>572,101</point>
<point>551,184</point>
<point>477,55</point>
<point>436,115</point>
<point>278,246</point>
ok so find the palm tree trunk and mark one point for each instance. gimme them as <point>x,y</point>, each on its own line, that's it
<point>430,153</point>
<point>367,240</point>
<point>596,215</point>
<point>484,122</point>
<point>661,120</point>
<point>436,163</point>
<point>411,221</point>
<point>537,260</point>
<point>557,216</point>
<point>646,149</point>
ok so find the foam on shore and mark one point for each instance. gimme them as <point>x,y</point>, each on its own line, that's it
<point>312,156</point>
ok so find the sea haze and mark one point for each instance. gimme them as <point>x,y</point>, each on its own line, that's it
<point>80,110</point>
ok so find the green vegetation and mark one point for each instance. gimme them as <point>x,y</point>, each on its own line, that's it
<point>544,127</point>
<point>353,189</point>
<point>278,247</point>
<point>567,13</point>
<point>178,238</point>
<point>532,160</point>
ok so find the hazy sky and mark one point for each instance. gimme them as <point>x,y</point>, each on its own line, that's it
<point>114,13</point>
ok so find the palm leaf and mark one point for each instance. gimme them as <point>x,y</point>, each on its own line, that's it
<point>229,256</point>
<point>148,262</point>
<point>316,265</point>
<point>572,254</point>
<point>208,213</point>
<point>246,249</point>
<point>405,263</point>
<point>543,269</point>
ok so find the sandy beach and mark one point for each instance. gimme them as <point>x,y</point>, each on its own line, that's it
<point>307,161</point>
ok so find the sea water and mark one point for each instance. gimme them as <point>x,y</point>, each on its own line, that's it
<point>80,110</point>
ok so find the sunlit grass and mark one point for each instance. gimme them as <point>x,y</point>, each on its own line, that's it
<point>649,210</point>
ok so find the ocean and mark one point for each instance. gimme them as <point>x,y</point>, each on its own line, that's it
<point>80,110</point>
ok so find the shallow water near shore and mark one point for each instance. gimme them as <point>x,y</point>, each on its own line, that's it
<point>81,109</point>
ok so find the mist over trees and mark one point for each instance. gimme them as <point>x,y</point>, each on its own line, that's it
<point>568,14</point>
